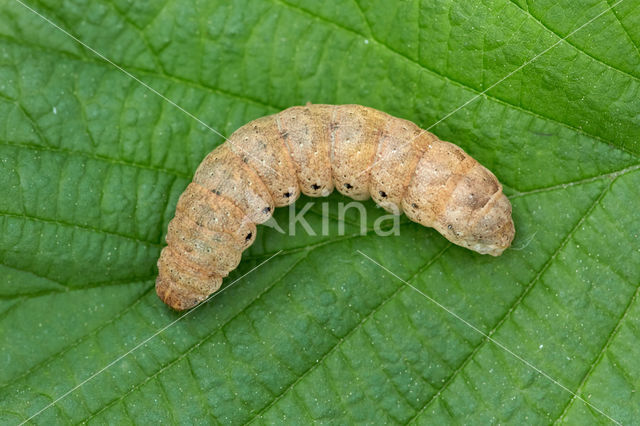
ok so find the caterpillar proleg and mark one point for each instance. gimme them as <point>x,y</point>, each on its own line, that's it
<point>312,149</point>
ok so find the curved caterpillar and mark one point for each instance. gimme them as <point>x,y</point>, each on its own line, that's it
<point>360,151</point>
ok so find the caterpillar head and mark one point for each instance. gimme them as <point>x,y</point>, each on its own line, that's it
<point>492,230</point>
<point>478,215</point>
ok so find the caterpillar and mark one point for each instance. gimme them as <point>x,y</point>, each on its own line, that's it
<point>360,151</point>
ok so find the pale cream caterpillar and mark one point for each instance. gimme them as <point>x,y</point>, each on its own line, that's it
<point>360,151</point>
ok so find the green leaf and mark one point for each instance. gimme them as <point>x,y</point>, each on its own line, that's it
<point>92,164</point>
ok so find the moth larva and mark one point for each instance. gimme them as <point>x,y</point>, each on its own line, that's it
<point>360,151</point>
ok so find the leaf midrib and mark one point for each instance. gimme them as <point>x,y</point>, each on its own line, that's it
<point>304,247</point>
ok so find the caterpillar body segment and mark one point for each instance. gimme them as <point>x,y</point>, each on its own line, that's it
<point>211,249</point>
<point>225,174</point>
<point>261,146</point>
<point>306,132</point>
<point>400,147</point>
<point>354,135</point>
<point>217,213</point>
<point>312,149</point>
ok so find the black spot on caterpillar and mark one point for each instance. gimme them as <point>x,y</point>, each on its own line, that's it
<point>360,151</point>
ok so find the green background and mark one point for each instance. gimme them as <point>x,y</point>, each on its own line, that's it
<point>92,164</point>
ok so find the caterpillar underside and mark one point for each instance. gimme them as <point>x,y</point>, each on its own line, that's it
<point>312,149</point>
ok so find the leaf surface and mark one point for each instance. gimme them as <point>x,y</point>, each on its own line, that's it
<point>92,164</point>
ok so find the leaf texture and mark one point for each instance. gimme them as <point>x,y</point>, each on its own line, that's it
<point>92,164</point>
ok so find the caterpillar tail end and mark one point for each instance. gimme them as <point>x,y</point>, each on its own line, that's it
<point>182,284</point>
<point>175,296</point>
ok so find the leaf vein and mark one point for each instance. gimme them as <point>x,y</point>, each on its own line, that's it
<point>53,357</point>
<point>482,343</point>
<point>81,227</point>
<point>575,46</point>
<point>193,347</point>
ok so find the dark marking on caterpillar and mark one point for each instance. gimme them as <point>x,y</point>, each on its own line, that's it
<point>312,149</point>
